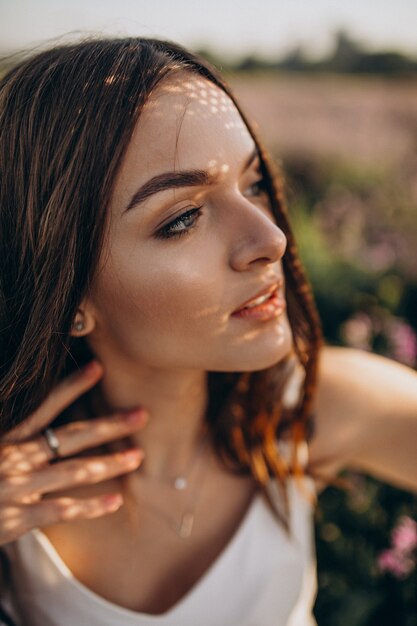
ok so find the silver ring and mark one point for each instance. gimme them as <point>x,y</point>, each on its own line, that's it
<point>52,441</point>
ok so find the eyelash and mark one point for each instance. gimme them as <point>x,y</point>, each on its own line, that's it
<point>167,232</point>
<point>262,186</point>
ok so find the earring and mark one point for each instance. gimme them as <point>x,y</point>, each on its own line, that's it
<point>78,326</point>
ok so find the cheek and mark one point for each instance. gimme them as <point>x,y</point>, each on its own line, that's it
<point>164,297</point>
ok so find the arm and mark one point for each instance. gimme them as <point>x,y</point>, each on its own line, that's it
<point>366,412</point>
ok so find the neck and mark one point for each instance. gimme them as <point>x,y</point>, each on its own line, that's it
<point>176,401</point>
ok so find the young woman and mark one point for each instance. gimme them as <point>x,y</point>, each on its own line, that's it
<point>168,406</point>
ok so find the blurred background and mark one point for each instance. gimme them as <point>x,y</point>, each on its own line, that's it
<point>332,87</point>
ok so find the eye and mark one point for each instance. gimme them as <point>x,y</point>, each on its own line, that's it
<point>258,188</point>
<point>258,193</point>
<point>182,224</point>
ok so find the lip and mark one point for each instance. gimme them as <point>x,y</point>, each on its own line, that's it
<point>270,289</point>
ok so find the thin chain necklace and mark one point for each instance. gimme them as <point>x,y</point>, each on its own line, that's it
<point>180,483</point>
<point>184,527</point>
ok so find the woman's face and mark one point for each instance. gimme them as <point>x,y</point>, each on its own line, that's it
<point>180,260</point>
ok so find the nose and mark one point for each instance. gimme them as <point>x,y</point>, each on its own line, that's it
<point>257,239</point>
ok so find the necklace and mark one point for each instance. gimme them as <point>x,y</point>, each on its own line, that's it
<point>180,481</point>
<point>184,527</point>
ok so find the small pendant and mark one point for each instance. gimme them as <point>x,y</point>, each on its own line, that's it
<point>186,525</point>
<point>180,483</point>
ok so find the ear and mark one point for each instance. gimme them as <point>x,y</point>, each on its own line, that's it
<point>84,321</point>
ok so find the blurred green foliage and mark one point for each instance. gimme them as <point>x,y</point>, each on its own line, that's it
<point>355,227</point>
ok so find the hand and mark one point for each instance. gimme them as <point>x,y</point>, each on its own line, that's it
<point>26,474</point>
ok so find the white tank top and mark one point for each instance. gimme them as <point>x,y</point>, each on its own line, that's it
<point>263,577</point>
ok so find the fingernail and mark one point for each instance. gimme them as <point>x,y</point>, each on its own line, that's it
<point>131,455</point>
<point>135,416</point>
<point>112,500</point>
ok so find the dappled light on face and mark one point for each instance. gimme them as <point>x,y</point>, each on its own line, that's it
<point>216,248</point>
<point>177,116</point>
<point>224,309</point>
<point>277,329</point>
<point>210,99</point>
<point>212,310</point>
<point>216,169</point>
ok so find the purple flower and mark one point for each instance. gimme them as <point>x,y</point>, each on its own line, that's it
<point>395,563</point>
<point>404,536</point>
<point>403,342</point>
<point>400,559</point>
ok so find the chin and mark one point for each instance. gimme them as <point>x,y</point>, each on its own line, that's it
<point>260,352</point>
<point>263,362</point>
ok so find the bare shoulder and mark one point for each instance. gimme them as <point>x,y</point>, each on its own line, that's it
<point>335,402</point>
<point>357,395</point>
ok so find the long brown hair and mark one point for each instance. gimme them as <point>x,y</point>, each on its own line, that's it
<point>66,118</point>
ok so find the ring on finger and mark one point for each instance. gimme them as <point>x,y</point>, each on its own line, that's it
<point>52,442</point>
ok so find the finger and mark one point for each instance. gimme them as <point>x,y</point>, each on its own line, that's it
<point>73,438</point>
<point>79,436</point>
<point>69,474</point>
<point>18,519</point>
<point>23,458</point>
<point>64,394</point>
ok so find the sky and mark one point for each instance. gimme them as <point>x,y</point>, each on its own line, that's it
<point>229,27</point>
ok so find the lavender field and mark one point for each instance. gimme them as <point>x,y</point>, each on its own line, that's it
<point>347,146</point>
<point>372,120</point>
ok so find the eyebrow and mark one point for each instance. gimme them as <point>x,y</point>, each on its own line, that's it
<point>178,179</point>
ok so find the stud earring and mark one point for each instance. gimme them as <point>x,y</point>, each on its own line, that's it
<point>78,326</point>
